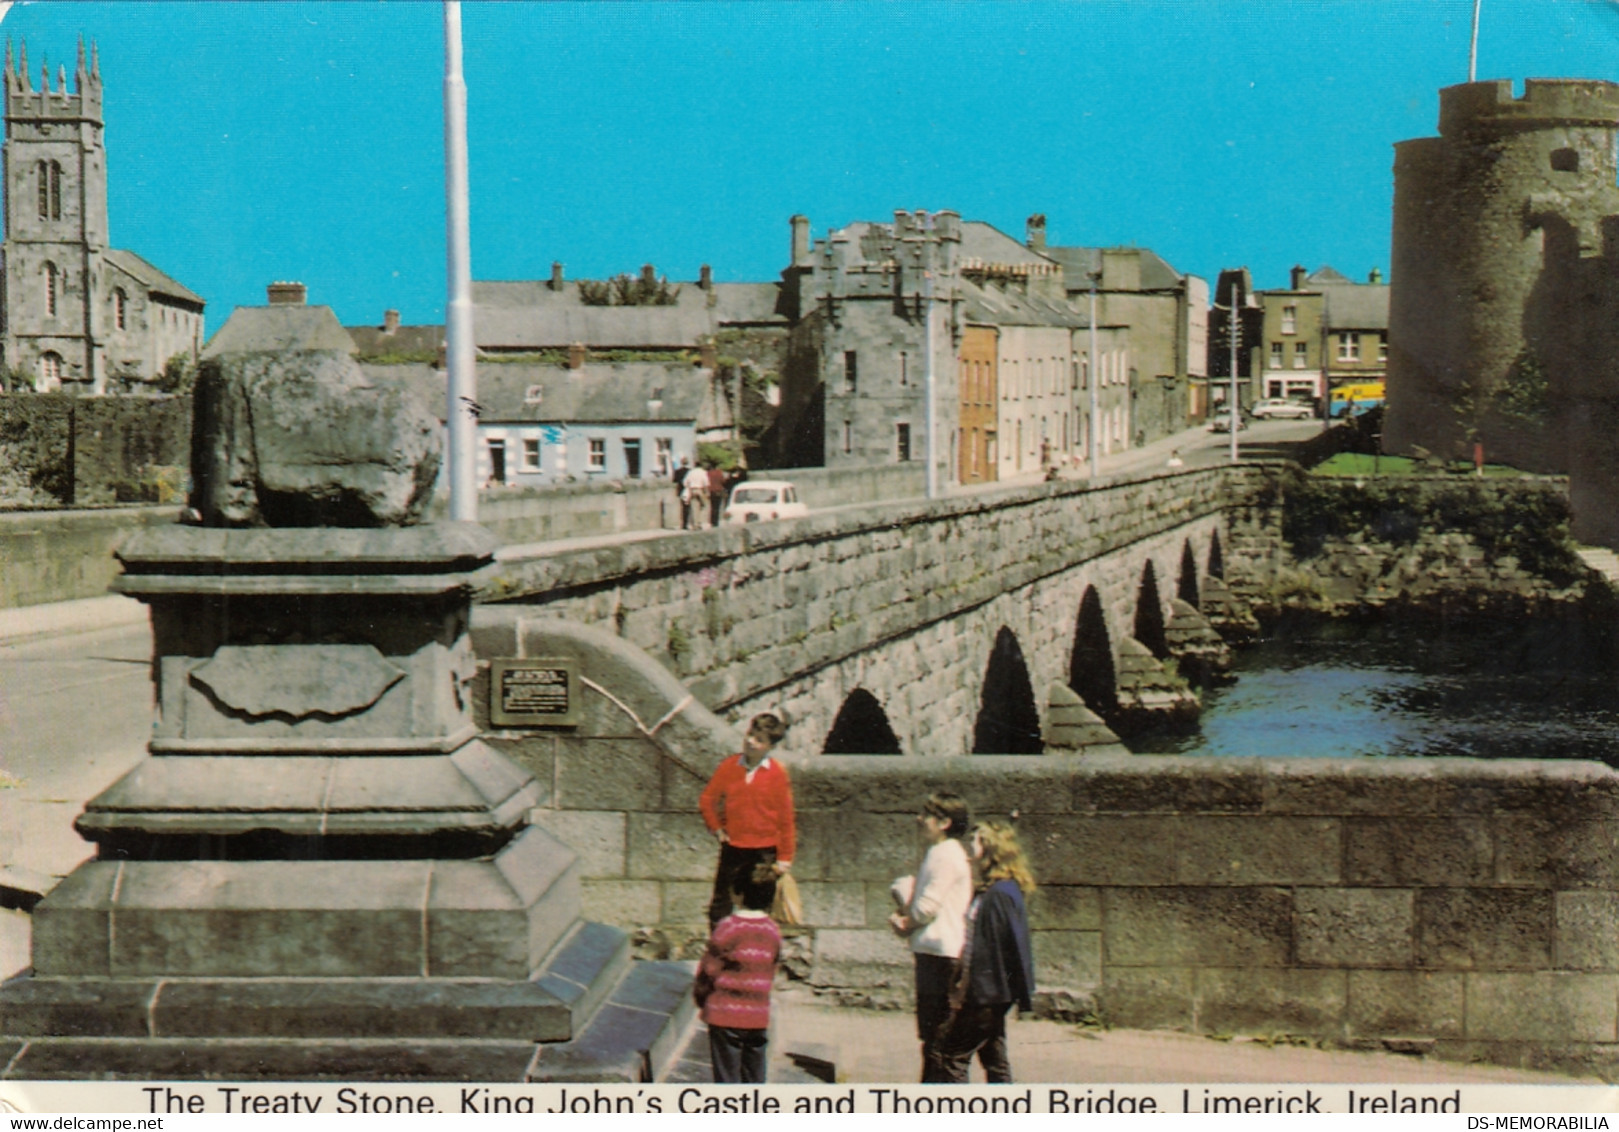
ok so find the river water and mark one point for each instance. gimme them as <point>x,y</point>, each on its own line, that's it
<point>1547,690</point>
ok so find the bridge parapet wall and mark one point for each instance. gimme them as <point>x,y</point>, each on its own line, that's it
<point>800,613</point>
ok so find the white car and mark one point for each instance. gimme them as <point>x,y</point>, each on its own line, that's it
<point>1222,423</point>
<point>1280,408</point>
<point>755,500</point>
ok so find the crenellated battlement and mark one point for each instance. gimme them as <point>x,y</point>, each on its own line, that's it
<point>23,101</point>
<point>1546,103</point>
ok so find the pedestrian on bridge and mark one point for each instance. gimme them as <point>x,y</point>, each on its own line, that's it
<point>748,807</point>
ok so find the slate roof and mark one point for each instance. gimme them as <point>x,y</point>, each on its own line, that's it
<point>426,339</point>
<point>993,306</point>
<point>988,244</point>
<point>285,326</point>
<point>601,392</point>
<point>529,315</point>
<point>155,281</point>
<point>1078,263</point>
<point>1357,306</point>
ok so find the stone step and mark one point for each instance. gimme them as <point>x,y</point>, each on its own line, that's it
<point>638,1034</point>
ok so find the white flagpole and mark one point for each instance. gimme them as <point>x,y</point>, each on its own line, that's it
<point>462,408</point>
<point>1472,51</point>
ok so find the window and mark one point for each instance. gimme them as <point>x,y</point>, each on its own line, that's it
<point>598,454</point>
<point>902,439</point>
<point>497,461</point>
<point>1565,160</point>
<point>1383,349</point>
<point>531,453</point>
<point>44,173</point>
<point>50,370</point>
<point>56,191</point>
<point>904,368</point>
<point>848,437</point>
<point>851,371</point>
<point>1290,320</point>
<point>120,308</point>
<point>1349,347</point>
<point>632,458</point>
<point>664,454</point>
<point>1301,355</point>
<point>50,288</point>
<point>1275,355</point>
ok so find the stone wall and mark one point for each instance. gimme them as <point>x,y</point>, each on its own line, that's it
<point>1457,905</point>
<point>904,600</point>
<point>61,555</point>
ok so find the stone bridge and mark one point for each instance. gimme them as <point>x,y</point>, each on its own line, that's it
<point>920,627</point>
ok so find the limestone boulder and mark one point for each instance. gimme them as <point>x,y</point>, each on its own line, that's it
<point>307,439</point>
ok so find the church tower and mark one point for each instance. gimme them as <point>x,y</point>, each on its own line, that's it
<point>55,226</point>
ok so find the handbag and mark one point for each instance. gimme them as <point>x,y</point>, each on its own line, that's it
<point>788,907</point>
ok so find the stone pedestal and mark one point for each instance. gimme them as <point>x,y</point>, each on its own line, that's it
<point>319,871</point>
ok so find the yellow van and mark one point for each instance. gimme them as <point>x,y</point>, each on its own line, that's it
<point>1355,399</point>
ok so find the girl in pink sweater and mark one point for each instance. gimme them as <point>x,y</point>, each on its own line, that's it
<point>734,979</point>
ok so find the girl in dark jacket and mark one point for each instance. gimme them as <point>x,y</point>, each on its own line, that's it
<point>997,963</point>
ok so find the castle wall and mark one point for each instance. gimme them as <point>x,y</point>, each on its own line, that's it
<point>1468,343</point>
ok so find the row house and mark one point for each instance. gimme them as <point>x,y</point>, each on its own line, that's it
<point>1323,331</point>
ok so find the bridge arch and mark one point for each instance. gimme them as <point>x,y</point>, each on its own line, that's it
<point>1187,589</point>
<point>861,728</point>
<point>1008,717</point>
<point>1149,620</point>
<point>1091,671</point>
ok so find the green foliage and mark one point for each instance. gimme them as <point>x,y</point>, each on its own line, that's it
<point>36,430</point>
<point>178,376</point>
<point>401,358</point>
<point>1527,521</point>
<point>678,642</point>
<point>1524,395</point>
<point>721,454</point>
<point>628,291</point>
<point>1360,464</point>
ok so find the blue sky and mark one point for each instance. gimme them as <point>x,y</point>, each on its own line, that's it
<point>251,142</point>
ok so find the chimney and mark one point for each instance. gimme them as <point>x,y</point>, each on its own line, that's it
<point>649,277</point>
<point>390,321</point>
<point>708,354</point>
<point>556,275</point>
<point>1036,229</point>
<point>705,277</point>
<point>287,294</point>
<point>1297,275</point>
<point>801,241</point>
<point>576,356</point>
<point>1375,277</point>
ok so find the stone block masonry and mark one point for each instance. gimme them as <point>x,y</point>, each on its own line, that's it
<point>1468,903</point>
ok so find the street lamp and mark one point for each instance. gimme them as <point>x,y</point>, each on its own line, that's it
<point>1091,378</point>
<point>1234,330</point>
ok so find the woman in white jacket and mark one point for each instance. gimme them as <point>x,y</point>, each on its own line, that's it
<point>933,917</point>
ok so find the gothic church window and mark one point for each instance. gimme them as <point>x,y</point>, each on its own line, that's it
<point>56,191</point>
<point>50,190</point>
<point>120,308</point>
<point>50,370</point>
<point>50,288</point>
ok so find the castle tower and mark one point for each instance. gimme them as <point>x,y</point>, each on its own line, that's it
<point>55,225</point>
<point>1474,345</point>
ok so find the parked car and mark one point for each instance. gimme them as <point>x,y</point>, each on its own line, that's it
<point>1222,423</point>
<point>756,500</point>
<point>1281,408</point>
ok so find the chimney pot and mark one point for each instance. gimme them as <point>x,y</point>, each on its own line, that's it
<point>1376,276</point>
<point>705,277</point>
<point>1037,230</point>
<point>1297,281</point>
<point>648,275</point>
<point>287,294</point>
<point>390,321</point>
<point>801,241</point>
<point>576,356</point>
<point>708,355</point>
<point>556,275</point>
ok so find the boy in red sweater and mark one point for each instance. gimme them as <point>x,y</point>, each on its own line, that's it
<point>734,979</point>
<point>748,807</point>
